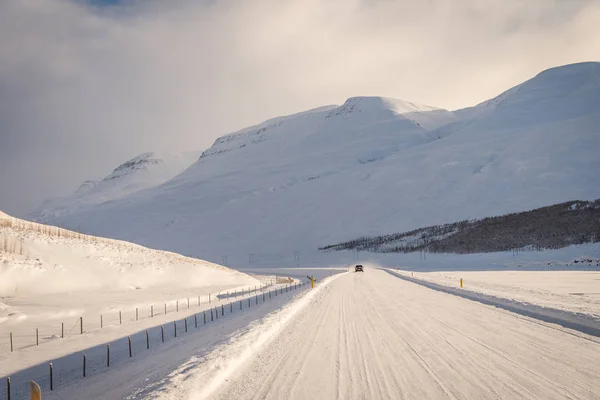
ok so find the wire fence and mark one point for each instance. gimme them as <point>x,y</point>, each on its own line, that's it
<point>21,339</point>
<point>85,364</point>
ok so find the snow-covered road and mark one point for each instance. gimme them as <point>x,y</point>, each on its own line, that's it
<point>374,336</point>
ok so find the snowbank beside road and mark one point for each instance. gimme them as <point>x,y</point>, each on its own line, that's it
<point>39,259</point>
<point>572,291</point>
<point>50,277</point>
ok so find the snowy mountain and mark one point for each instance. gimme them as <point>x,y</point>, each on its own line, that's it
<point>369,167</point>
<point>556,94</point>
<point>141,172</point>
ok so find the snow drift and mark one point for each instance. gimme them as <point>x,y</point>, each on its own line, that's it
<point>37,259</point>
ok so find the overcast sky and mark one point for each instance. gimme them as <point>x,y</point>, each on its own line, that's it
<point>85,86</point>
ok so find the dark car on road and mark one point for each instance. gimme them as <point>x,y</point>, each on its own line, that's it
<point>358,268</point>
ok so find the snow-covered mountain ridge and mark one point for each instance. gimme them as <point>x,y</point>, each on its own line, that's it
<point>144,171</point>
<point>560,93</point>
<point>355,113</point>
<point>369,167</point>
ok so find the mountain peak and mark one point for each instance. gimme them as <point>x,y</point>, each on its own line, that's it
<point>386,103</point>
<point>86,186</point>
<point>378,105</point>
<point>139,162</point>
<point>141,172</point>
<point>387,109</point>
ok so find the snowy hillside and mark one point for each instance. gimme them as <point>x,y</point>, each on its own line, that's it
<point>386,116</point>
<point>556,94</point>
<point>39,259</point>
<point>55,282</point>
<point>369,167</point>
<point>142,172</point>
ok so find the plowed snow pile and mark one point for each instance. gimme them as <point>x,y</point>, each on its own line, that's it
<point>573,291</point>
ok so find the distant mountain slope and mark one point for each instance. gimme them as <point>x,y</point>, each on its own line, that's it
<point>141,172</point>
<point>383,115</point>
<point>551,227</point>
<point>371,166</point>
<point>556,94</point>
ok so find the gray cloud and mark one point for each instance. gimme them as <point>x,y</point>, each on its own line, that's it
<point>83,87</point>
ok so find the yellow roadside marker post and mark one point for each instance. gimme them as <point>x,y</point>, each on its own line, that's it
<point>36,392</point>
<point>461,283</point>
